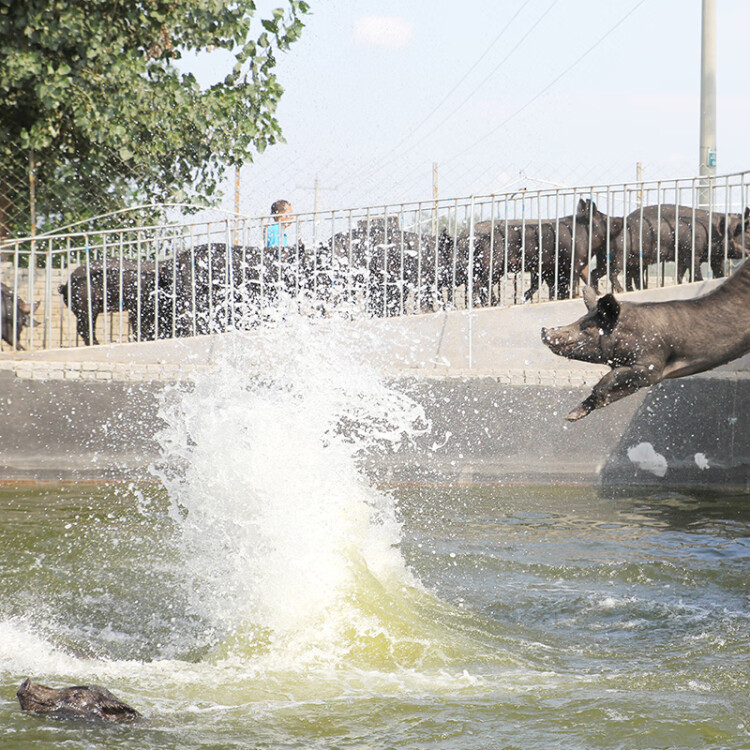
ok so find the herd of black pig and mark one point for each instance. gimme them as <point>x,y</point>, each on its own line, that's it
<point>209,288</point>
<point>206,288</point>
<point>558,252</point>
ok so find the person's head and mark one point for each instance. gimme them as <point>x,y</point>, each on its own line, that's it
<point>281,210</point>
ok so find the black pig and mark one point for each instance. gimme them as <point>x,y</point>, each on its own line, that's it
<point>79,702</point>
<point>23,312</point>
<point>205,289</point>
<point>387,265</point>
<point>129,285</point>
<point>648,342</point>
<point>554,251</point>
<point>736,228</point>
<point>690,236</point>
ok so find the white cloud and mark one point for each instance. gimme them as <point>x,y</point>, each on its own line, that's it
<point>383,31</point>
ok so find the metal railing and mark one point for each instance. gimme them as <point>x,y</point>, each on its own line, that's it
<point>186,277</point>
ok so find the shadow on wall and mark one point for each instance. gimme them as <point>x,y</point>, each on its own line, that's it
<point>693,431</point>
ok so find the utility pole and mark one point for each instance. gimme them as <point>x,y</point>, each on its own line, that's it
<point>316,203</point>
<point>707,156</point>
<point>316,188</point>
<point>237,189</point>
<point>32,192</point>
<point>235,232</point>
<point>434,196</point>
<point>32,217</point>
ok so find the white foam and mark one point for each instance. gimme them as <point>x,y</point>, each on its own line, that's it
<point>25,652</point>
<point>646,458</point>
<point>701,461</point>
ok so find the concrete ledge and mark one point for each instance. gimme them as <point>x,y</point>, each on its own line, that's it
<point>38,369</point>
<point>481,341</point>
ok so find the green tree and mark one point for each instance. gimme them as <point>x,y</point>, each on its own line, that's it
<point>93,96</point>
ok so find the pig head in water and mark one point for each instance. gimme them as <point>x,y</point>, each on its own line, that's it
<point>80,702</point>
<point>647,342</point>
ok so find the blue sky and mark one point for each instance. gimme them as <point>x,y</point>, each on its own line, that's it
<point>499,93</point>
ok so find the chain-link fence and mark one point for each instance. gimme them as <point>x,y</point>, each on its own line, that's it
<point>16,188</point>
<point>41,190</point>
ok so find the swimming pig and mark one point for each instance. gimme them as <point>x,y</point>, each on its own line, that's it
<point>79,702</point>
<point>648,342</point>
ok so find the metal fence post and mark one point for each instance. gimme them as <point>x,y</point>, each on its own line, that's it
<point>384,286</point>
<point>470,284</point>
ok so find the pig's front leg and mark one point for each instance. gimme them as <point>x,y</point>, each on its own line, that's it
<point>616,384</point>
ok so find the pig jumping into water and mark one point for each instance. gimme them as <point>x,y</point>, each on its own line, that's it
<point>647,342</point>
<point>80,702</point>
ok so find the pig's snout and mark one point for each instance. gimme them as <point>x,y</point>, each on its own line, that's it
<point>550,337</point>
<point>558,340</point>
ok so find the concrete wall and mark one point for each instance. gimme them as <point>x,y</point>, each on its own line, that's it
<point>76,429</point>
<point>495,395</point>
<point>693,432</point>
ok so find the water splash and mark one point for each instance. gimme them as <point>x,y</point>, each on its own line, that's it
<point>281,572</point>
<point>281,528</point>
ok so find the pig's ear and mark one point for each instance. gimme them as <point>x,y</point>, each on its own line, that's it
<point>615,225</point>
<point>608,309</point>
<point>747,215</point>
<point>589,297</point>
<point>721,225</point>
<point>586,207</point>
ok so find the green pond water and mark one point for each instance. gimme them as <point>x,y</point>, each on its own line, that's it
<point>500,617</point>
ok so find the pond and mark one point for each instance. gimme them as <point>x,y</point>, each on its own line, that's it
<point>265,590</point>
<point>449,617</point>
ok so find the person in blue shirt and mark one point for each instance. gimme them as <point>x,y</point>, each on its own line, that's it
<point>281,211</point>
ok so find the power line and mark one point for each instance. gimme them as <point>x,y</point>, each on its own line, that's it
<point>437,107</point>
<point>547,87</point>
<point>370,181</point>
<point>486,78</point>
<point>453,159</point>
<point>376,163</point>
